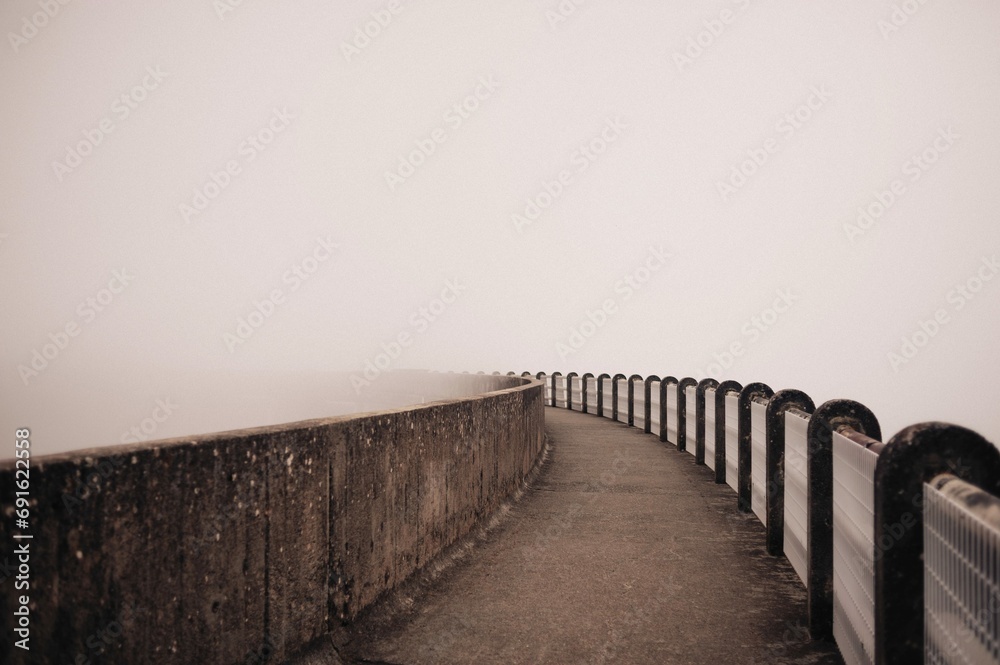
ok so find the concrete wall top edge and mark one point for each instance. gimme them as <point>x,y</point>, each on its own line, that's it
<point>512,383</point>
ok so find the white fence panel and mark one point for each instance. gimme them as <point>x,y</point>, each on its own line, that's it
<point>639,404</point>
<point>796,489</point>
<point>592,395</point>
<point>710,428</point>
<point>732,440</point>
<point>961,577</point>
<point>607,411</point>
<point>654,407</point>
<point>758,460</point>
<point>672,413</point>
<point>853,550</point>
<point>623,401</point>
<point>561,395</point>
<point>691,424</point>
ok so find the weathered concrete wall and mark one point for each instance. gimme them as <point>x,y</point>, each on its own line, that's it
<point>244,547</point>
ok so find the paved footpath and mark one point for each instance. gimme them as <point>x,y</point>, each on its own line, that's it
<point>622,551</point>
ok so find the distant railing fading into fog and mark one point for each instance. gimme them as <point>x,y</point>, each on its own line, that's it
<point>897,543</point>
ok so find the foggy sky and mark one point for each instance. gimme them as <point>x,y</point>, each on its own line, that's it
<point>186,164</point>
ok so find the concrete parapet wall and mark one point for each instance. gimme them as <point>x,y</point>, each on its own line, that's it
<point>247,546</point>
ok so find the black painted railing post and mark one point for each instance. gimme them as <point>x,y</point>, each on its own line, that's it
<point>600,393</point>
<point>744,469</point>
<point>665,383</point>
<point>614,395</point>
<point>777,406</point>
<point>699,432</point>
<point>914,456</point>
<point>540,376</point>
<point>829,417</point>
<point>682,409</point>
<point>569,389</point>
<point>725,388</point>
<point>647,388</point>
<point>631,398</point>
<point>555,388</point>
<point>585,383</point>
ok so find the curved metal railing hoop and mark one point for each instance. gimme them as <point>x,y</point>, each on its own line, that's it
<point>682,409</point>
<point>664,383</point>
<point>569,390</point>
<point>750,392</point>
<point>614,395</point>
<point>827,418</point>
<point>911,458</point>
<point>583,390</point>
<point>600,393</point>
<point>777,406</point>
<point>723,389</point>
<point>647,406</point>
<point>699,410</point>
<point>555,395</point>
<point>631,398</point>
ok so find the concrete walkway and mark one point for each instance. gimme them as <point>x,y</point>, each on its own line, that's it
<point>623,551</point>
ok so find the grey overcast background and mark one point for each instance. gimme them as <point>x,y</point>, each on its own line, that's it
<point>797,193</point>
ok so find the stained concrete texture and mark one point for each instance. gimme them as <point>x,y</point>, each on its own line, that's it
<point>623,551</point>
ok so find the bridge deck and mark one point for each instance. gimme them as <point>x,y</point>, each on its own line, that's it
<point>623,551</point>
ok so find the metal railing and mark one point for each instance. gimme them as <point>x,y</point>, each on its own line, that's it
<point>897,543</point>
<point>961,585</point>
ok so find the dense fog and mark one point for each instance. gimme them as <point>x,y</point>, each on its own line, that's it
<point>251,210</point>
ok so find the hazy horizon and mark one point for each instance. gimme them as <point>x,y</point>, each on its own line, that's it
<point>200,191</point>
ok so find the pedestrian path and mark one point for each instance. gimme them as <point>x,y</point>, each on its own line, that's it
<point>622,551</point>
